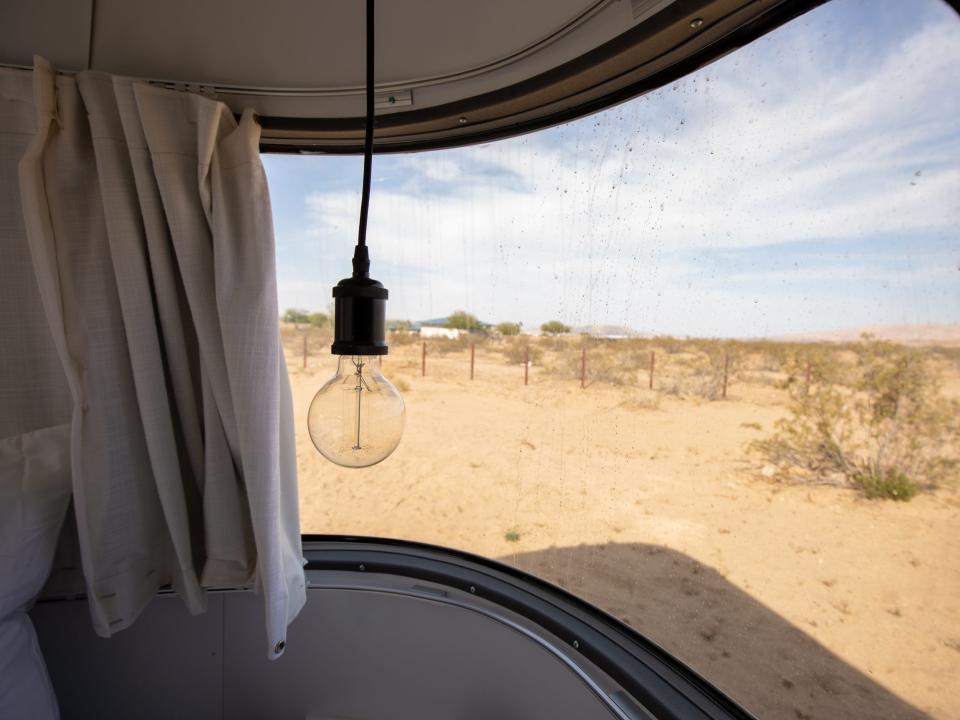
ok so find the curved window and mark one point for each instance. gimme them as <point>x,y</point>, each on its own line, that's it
<point>695,359</point>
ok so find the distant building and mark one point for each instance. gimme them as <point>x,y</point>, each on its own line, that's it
<point>429,331</point>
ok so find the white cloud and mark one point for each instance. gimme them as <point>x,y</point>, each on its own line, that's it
<point>584,222</point>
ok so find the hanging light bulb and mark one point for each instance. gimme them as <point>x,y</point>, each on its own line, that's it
<point>357,417</point>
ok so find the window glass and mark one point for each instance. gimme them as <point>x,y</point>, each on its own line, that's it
<point>715,358</point>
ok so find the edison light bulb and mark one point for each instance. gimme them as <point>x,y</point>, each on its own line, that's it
<point>356,419</point>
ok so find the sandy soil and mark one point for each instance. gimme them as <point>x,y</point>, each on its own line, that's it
<point>799,602</point>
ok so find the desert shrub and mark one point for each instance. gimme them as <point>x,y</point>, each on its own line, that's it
<point>697,375</point>
<point>890,485</point>
<point>764,355</point>
<point>607,362</point>
<point>604,366</point>
<point>772,361</point>
<point>889,435</point>
<point>318,319</point>
<point>554,327</point>
<point>817,363</point>
<point>708,380</point>
<point>636,354</point>
<point>668,344</point>
<point>707,346</point>
<point>515,351</point>
<point>948,354</point>
<point>558,343</point>
<point>296,315</point>
<point>763,377</point>
<point>641,400</point>
<point>445,346</point>
<point>775,355</point>
<point>402,337</point>
<point>508,328</point>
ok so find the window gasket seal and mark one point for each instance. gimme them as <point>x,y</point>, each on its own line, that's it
<point>762,24</point>
<point>653,676</point>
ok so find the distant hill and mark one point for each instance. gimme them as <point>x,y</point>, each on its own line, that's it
<point>603,330</point>
<point>904,334</point>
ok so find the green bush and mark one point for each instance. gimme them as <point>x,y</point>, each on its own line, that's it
<point>890,434</point>
<point>296,315</point>
<point>891,485</point>
<point>508,328</point>
<point>554,327</point>
<point>318,320</point>
<point>461,320</point>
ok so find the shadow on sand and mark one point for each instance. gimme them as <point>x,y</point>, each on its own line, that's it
<point>760,659</point>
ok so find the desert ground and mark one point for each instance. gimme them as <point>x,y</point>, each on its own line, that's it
<point>800,601</point>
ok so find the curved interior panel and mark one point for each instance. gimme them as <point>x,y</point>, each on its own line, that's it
<point>390,630</point>
<point>373,649</point>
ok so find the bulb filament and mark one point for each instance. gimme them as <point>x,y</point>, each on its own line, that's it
<point>361,384</point>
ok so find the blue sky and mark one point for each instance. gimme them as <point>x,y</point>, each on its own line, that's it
<point>810,181</point>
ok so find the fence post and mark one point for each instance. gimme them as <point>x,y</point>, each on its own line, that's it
<point>472,349</point>
<point>423,361</point>
<point>304,351</point>
<point>653,361</point>
<point>526,363</point>
<point>726,367</point>
<point>583,367</point>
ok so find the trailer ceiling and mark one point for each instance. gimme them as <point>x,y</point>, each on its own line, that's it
<point>449,72</point>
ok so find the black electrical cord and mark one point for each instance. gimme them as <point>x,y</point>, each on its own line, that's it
<point>360,301</point>
<point>368,138</point>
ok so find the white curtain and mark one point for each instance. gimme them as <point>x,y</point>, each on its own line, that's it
<point>146,220</point>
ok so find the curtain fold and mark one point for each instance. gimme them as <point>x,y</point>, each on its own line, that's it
<point>35,411</point>
<point>148,220</point>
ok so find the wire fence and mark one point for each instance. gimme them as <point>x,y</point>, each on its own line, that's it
<point>679,367</point>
